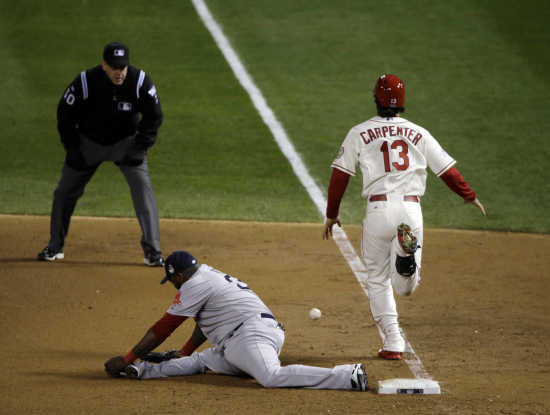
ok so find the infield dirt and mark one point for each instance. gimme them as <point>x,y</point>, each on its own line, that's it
<point>479,322</point>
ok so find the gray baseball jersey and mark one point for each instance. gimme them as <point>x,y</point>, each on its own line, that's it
<point>245,336</point>
<point>217,301</point>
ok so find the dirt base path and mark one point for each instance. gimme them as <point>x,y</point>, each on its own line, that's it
<point>479,321</point>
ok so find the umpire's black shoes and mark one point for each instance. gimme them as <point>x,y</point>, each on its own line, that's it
<point>49,255</point>
<point>153,260</point>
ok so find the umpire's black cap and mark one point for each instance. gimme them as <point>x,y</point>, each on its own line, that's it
<point>177,262</point>
<point>116,54</point>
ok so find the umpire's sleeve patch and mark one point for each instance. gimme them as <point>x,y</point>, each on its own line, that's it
<point>140,82</point>
<point>84,82</point>
<point>153,93</point>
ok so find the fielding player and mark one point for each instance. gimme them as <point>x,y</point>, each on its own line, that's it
<point>246,338</point>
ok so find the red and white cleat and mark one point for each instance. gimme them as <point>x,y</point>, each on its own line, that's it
<point>389,355</point>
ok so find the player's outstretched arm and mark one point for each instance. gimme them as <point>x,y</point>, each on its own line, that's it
<point>116,364</point>
<point>152,338</point>
<point>479,205</point>
<point>454,180</point>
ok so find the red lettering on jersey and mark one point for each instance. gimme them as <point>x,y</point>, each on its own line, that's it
<point>177,299</point>
<point>385,130</point>
<point>378,133</point>
<point>371,135</point>
<point>417,138</point>
<point>400,131</point>
<point>392,130</point>
<point>409,135</point>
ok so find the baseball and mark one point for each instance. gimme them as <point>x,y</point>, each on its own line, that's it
<point>314,314</point>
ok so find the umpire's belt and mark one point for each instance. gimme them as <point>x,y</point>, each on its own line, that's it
<point>384,198</point>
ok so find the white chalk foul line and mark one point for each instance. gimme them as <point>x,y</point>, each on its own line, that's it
<point>301,171</point>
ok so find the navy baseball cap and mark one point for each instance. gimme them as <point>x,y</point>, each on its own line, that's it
<point>116,54</point>
<point>177,262</point>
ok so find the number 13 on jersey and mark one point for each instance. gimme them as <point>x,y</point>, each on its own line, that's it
<point>402,150</point>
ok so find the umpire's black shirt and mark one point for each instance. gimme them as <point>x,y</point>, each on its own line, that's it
<point>106,113</point>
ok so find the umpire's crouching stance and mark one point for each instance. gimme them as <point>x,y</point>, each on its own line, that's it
<point>98,120</point>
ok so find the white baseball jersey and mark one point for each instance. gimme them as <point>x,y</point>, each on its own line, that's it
<point>217,301</point>
<point>393,154</point>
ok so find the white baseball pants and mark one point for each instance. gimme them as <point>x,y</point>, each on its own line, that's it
<point>379,247</point>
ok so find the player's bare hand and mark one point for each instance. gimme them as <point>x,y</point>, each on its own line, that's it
<point>115,365</point>
<point>327,231</point>
<point>478,204</point>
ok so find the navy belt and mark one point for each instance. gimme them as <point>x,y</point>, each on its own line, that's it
<point>279,324</point>
<point>262,315</point>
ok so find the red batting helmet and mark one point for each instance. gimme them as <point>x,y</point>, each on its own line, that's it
<point>390,91</point>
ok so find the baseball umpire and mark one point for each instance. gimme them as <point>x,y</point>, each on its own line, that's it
<point>246,337</point>
<point>98,119</point>
<point>393,154</point>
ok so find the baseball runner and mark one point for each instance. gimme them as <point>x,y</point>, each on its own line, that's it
<point>98,119</point>
<point>393,155</point>
<point>245,336</point>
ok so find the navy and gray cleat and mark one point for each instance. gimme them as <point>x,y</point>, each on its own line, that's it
<point>359,378</point>
<point>132,372</point>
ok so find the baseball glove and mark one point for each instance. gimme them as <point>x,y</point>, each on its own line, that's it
<point>114,366</point>
<point>157,357</point>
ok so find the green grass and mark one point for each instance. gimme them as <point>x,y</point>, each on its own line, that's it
<point>214,157</point>
<point>475,76</point>
<point>475,72</point>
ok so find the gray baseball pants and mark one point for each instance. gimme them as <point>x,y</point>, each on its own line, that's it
<point>73,182</point>
<point>253,350</point>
